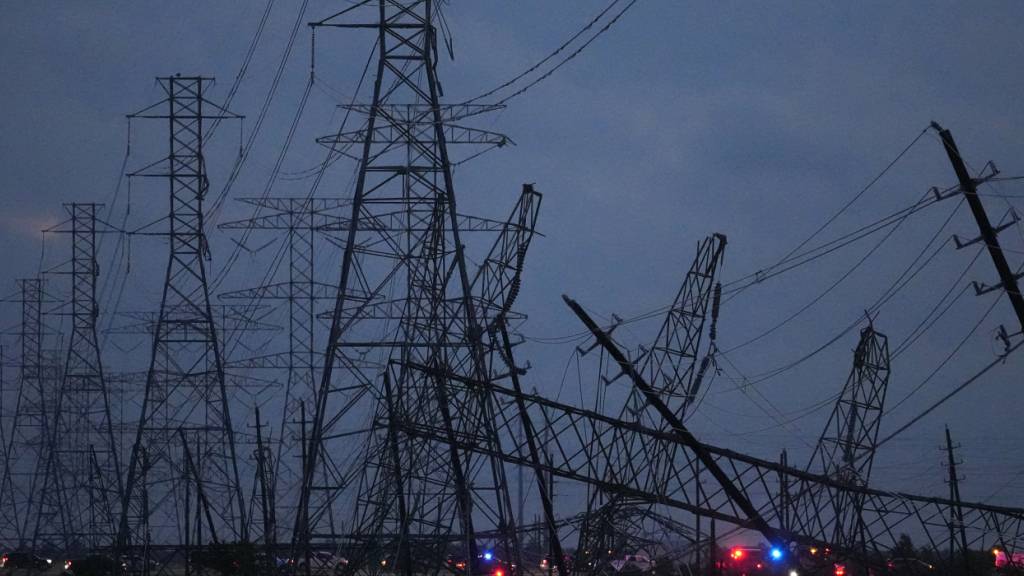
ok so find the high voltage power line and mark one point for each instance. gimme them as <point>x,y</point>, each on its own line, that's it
<point>413,411</point>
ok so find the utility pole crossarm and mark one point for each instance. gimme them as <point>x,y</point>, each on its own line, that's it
<point>989,235</point>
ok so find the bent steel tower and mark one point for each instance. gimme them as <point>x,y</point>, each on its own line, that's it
<point>676,365</point>
<point>846,450</point>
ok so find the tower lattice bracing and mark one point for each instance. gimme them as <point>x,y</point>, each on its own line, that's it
<point>81,488</point>
<point>26,446</point>
<point>300,219</point>
<point>845,452</point>
<point>184,445</point>
<point>389,413</point>
<point>409,320</point>
<point>8,508</point>
<point>676,365</point>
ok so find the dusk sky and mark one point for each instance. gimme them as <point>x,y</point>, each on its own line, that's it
<point>759,120</point>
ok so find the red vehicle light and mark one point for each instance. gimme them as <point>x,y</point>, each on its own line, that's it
<point>840,570</point>
<point>736,554</point>
<point>499,573</point>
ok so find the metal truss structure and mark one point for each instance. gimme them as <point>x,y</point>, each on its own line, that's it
<point>397,432</point>
<point>407,299</point>
<point>676,365</point>
<point>846,450</point>
<point>744,491</point>
<point>81,475</point>
<point>300,219</point>
<point>184,446</point>
<point>26,444</point>
<point>8,506</point>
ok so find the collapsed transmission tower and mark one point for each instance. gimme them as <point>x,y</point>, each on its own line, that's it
<point>743,490</point>
<point>676,365</point>
<point>409,318</point>
<point>846,450</point>
<point>184,443</point>
<point>82,475</point>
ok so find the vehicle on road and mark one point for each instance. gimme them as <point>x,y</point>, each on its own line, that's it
<point>1008,562</point>
<point>744,561</point>
<point>633,564</point>
<point>273,562</point>
<point>321,563</point>
<point>486,564</point>
<point>24,561</point>
<point>94,565</point>
<point>134,563</point>
<point>547,564</point>
<point>764,560</point>
<point>909,567</point>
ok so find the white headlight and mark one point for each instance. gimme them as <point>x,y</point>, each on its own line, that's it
<point>793,573</point>
<point>48,561</point>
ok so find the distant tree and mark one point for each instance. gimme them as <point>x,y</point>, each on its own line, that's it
<point>931,555</point>
<point>904,547</point>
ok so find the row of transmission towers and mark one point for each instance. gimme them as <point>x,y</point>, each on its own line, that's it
<point>394,434</point>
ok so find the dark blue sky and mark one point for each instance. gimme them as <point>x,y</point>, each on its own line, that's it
<point>757,120</point>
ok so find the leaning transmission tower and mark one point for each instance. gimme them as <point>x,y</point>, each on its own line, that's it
<point>677,366</point>
<point>413,328</point>
<point>846,450</point>
<point>184,447</point>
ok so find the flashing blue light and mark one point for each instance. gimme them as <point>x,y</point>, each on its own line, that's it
<point>488,555</point>
<point>776,553</point>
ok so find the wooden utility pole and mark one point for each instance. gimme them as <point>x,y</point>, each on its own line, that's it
<point>989,234</point>
<point>956,516</point>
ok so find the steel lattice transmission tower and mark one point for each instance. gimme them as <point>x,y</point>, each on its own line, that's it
<point>82,476</point>
<point>676,365</point>
<point>409,320</point>
<point>8,507</point>
<point>26,444</point>
<point>846,450</point>
<point>300,219</point>
<point>184,443</point>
